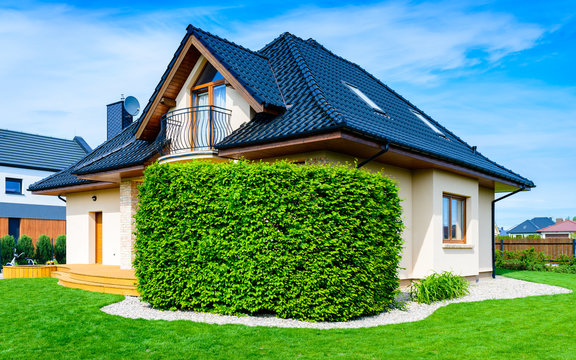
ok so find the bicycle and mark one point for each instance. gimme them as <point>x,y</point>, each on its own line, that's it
<point>16,256</point>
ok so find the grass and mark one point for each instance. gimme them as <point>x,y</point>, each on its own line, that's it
<point>437,287</point>
<point>39,319</point>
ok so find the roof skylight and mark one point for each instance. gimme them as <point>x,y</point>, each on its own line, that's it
<point>363,96</point>
<point>427,122</point>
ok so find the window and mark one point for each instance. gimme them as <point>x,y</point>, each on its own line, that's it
<point>427,122</point>
<point>208,94</point>
<point>363,96</point>
<point>14,228</point>
<point>13,186</point>
<point>454,219</point>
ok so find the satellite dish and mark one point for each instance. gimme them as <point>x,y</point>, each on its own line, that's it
<point>132,105</point>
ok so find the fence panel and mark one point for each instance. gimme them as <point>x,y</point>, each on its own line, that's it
<point>551,247</point>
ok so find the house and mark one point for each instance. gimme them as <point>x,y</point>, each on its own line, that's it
<point>295,100</point>
<point>562,229</point>
<point>530,226</point>
<point>24,160</point>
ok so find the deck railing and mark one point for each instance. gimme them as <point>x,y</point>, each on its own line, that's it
<point>194,129</point>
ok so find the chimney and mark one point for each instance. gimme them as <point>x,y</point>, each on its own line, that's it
<point>559,220</point>
<point>117,118</point>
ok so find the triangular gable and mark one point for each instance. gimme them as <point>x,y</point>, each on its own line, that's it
<point>248,72</point>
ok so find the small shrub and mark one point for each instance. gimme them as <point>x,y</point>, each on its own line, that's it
<point>26,247</point>
<point>43,249</point>
<point>60,249</point>
<point>438,287</point>
<point>7,246</point>
<point>527,259</point>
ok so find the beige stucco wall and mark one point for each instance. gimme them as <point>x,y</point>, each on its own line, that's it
<point>234,101</point>
<point>80,228</point>
<point>485,198</point>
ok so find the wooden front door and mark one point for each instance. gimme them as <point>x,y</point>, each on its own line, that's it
<point>98,237</point>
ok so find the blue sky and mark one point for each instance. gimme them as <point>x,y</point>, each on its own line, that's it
<point>500,74</point>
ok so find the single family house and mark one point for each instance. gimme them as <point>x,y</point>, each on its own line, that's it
<point>562,229</point>
<point>25,159</point>
<point>295,100</point>
<point>530,226</point>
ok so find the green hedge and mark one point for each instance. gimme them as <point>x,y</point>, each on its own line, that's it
<point>25,247</point>
<point>60,249</point>
<point>43,249</point>
<point>319,243</point>
<point>7,246</point>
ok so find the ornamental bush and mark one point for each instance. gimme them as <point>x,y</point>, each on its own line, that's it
<point>438,287</point>
<point>317,243</point>
<point>60,249</point>
<point>25,247</point>
<point>43,249</point>
<point>7,246</point>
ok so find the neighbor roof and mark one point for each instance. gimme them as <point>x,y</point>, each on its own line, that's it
<point>121,151</point>
<point>531,226</point>
<point>31,151</point>
<point>313,86</point>
<point>565,226</point>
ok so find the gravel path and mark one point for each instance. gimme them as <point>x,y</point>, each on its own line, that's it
<point>499,288</point>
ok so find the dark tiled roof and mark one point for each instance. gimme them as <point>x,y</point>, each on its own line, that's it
<point>531,226</point>
<point>250,68</point>
<point>121,151</point>
<point>313,81</point>
<point>32,151</point>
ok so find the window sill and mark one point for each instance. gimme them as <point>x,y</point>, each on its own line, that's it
<point>457,246</point>
<point>14,194</point>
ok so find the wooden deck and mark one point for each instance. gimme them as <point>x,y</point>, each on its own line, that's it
<point>108,279</point>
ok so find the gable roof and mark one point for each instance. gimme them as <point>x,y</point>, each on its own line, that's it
<point>565,226</point>
<point>531,226</point>
<point>314,83</point>
<point>308,86</point>
<point>249,72</point>
<point>31,151</point>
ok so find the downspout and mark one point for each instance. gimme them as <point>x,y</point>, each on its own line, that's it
<point>494,226</point>
<point>384,148</point>
<point>61,198</point>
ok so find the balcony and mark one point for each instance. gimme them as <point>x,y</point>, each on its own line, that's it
<point>194,129</point>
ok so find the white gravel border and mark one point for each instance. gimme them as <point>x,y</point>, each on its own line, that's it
<point>486,289</point>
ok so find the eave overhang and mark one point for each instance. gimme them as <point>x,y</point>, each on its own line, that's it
<point>362,148</point>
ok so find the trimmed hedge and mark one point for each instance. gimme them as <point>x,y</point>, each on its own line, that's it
<point>318,243</point>
<point>7,246</point>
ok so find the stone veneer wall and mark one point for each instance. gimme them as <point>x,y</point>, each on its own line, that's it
<point>128,208</point>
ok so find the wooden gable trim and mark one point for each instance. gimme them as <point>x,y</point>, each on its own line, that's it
<point>162,100</point>
<point>165,85</point>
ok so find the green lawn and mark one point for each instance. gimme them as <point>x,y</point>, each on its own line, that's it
<point>39,319</point>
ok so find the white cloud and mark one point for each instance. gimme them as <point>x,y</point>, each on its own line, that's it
<point>404,41</point>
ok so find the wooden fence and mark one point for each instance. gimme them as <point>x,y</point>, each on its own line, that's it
<point>551,247</point>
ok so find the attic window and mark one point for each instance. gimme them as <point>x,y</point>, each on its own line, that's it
<point>366,99</point>
<point>427,122</point>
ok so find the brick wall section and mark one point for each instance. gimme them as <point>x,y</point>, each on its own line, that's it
<point>128,208</point>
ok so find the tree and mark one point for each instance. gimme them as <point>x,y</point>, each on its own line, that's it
<point>26,247</point>
<point>7,249</point>
<point>60,249</point>
<point>43,249</point>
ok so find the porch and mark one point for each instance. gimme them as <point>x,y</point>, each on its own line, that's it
<point>108,279</point>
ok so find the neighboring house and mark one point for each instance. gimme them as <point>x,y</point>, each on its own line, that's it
<point>25,159</point>
<point>293,100</point>
<point>562,229</point>
<point>530,227</point>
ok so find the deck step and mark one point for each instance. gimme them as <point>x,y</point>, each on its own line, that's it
<point>70,280</point>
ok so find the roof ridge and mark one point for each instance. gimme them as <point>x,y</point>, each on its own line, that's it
<point>194,28</point>
<point>311,81</point>
<point>44,136</point>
